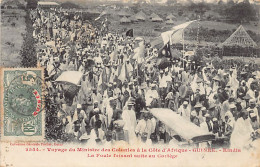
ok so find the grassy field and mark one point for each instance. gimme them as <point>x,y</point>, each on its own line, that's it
<point>151,29</point>
<point>12,29</point>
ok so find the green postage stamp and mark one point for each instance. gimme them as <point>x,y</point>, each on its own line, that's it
<point>22,100</point>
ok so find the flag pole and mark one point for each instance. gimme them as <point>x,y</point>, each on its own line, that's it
<point>183,47</point>
<point>137,71</point>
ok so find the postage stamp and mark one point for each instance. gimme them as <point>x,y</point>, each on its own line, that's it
<point>22,104</point>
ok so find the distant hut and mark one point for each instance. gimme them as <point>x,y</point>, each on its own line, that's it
<point>140,16</point>
<point>123,14</point>
<point>11,4</point>
<point>239,44</point>
<point>133,18</point>
<point>125,20</point>
<point>170,16</point>
<point>153,15</point>
<point>169,22</point>
<point>157,19</point>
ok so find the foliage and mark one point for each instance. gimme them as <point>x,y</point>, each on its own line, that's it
<point>241,12</point>
<point>208,35</point>
<point>32,4</point>
<point>136,7</point>
<point>69,5</point>
<point>28,52</point>
<point>199,8</point>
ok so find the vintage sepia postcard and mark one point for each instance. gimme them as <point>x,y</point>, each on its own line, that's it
<point>130,83</point>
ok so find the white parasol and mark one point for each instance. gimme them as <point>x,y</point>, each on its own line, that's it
<point>177,123</point>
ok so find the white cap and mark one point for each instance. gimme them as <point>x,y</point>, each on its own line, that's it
<point>185,102</point>
<point>203,108</point>
<point>79,106</point>
<point>252,115</point>
<point>193,113</point>
<point>207,115</point>
<point>232,105</point>
<point>252,101</point>
<point>111,98</point>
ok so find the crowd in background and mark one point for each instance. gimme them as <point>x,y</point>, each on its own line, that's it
<point>121,81</point>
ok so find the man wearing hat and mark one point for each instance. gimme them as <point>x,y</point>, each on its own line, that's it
<point>207,125</point>
<point>252,107</point>
<point>129,117</point>
<point>151,94</point>
<point>194,118</point>
<point>197,108</point>
<point>164,79</point>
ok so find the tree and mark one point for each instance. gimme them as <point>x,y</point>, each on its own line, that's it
<point>136,7</point>
<point>171,2</point>
<point>220,2</point>
<point>199,8</point>
<point>69,5</point>
<point>32,4</point>
<point>230,3</point>
<point>241,12</point>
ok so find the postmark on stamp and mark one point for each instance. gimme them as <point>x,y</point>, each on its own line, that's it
<point>22,100</point>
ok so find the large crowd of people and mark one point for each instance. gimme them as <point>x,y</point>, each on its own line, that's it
<point>121,81</point>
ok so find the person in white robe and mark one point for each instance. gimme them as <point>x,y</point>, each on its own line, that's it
<point>184,110</point>
<point>129,117</point>
<point>241,135</point>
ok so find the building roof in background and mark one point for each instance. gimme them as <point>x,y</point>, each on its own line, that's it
<point>240,38</point>
<point>170,16</point>
<point>123,13</point>
<point>47,3</point>
<point>125,20</point>
<point>170,21</point>
<point>157,18</point>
